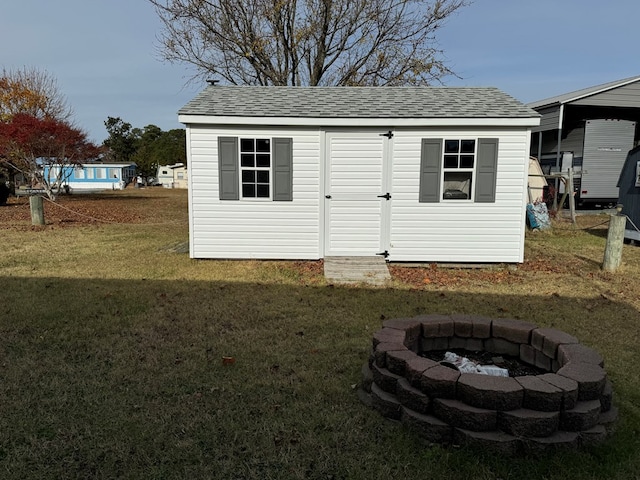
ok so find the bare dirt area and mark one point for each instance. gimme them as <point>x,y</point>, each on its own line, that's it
<point>143,206</point>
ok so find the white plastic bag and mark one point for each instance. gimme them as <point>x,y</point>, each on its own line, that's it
<point>493,371</point>
<point>464,365</point>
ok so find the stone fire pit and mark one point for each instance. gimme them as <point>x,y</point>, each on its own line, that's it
<point>569,405</point>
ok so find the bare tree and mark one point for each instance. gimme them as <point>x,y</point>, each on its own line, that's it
<point>307,42</point>
<point>32,92</point>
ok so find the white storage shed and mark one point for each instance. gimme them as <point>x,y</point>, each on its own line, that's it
<point>419,174</point>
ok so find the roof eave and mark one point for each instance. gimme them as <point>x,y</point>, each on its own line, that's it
<point>602,90</point>
<point>531,121</point>
<point>558,100</point>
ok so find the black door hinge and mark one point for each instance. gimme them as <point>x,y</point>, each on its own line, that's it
<point>385,254</point>
<point>386,195</point>
<point>389,134</point>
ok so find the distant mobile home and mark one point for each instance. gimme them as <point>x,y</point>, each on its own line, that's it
<point>93,176</point>
<point>172,176</point>
<point>591,130</point>
<point>417,174</point>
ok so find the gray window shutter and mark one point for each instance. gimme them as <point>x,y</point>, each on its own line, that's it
<point>228,168</point>
<point>430,164</point>
<point>282,169</point>
<point>486,170</point>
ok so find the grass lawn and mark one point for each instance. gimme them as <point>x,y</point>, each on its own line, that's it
<point>112,339</point>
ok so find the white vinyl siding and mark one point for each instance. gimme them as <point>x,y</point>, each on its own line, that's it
<point>241,229</point>
<point>416,232</point>
<point>459,231</point>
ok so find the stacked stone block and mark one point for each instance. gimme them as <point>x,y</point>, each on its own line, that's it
<point>570,405</point>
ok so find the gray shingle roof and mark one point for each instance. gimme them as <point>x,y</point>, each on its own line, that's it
<point>357,102</point>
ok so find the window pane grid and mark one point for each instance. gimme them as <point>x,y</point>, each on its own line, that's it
<point>255,167</point>
<point>458,168</point>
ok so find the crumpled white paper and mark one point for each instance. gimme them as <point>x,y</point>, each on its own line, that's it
<point>464,365</point>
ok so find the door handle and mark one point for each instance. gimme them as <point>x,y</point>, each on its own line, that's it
<point>327,196</point>
<point>386,195</point>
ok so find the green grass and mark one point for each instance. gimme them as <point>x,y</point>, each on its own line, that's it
<point>111,351</point>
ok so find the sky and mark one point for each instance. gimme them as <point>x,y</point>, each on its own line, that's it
<point>105,58</point>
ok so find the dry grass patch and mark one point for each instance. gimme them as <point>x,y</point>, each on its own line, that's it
<point>111,348</point>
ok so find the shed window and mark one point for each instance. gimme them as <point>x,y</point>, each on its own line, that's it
<point>458,169</point>
<point>255,167</point>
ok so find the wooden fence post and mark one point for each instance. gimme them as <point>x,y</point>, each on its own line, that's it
<point>572,198</point>
<point>615,241</point>
<point>37,210</point>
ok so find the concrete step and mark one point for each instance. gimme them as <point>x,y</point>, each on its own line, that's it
<point>351,270</point>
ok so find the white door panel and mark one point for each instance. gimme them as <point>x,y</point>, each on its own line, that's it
<point>355,179</point>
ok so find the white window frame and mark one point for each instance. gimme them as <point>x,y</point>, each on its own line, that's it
<point>53,173</point>
<point>255,168</point>
<point>448,156</point>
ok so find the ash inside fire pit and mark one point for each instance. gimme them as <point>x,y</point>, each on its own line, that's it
<point>515,367</point>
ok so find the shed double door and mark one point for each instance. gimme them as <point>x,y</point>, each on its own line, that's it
<point>357,193</point>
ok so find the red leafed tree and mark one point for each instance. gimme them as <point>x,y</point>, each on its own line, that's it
<point>44,150</point>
